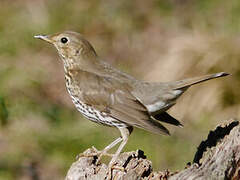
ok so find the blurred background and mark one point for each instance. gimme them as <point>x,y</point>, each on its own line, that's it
<point>41,132</point>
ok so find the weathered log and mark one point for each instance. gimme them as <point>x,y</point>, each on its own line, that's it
<point>218,158</point>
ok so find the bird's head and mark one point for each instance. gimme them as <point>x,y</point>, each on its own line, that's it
<point>71,46</point>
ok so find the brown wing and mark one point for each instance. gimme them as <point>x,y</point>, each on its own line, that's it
<point>115,98</point>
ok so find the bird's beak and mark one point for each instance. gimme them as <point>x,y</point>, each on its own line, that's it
<point>44,37</point>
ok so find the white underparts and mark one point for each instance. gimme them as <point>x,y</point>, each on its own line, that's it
<point>156,106</point>
<point>177,92</point>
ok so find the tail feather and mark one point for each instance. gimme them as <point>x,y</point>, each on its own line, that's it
<point>165,117</point>
<point>191,81</point>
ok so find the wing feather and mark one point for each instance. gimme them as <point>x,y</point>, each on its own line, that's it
<point>115,98</point>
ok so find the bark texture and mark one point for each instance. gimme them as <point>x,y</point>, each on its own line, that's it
<point>218,157</point>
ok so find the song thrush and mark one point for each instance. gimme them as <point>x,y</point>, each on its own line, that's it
<point>110,97</point>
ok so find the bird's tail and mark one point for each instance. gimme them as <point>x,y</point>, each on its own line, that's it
<point>191,81</point>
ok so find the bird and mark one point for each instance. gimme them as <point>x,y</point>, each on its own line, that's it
<point>108,96</point>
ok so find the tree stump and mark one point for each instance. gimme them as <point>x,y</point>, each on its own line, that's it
<point>217,158</point>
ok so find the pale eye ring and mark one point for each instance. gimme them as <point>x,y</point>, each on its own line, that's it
<point>64,40</point>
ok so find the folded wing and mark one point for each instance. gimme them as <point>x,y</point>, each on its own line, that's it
<point>115,98</point>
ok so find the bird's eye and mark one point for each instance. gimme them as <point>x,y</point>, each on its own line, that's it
<point>64,40</point>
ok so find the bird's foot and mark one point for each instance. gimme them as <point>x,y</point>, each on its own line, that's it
<point>100,154</point>
<point>112,167</point>
<point>94,153</point>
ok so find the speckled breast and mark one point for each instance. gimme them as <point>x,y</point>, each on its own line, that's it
<point>89,112</point>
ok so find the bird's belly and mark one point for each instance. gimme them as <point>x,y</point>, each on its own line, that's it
<point>94,115</point>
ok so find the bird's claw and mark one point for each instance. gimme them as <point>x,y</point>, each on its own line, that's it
<point>111,167</point>
<point>94,153</point>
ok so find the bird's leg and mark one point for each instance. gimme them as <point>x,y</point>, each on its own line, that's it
<point>107,148</point>
<point>125,132</point>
